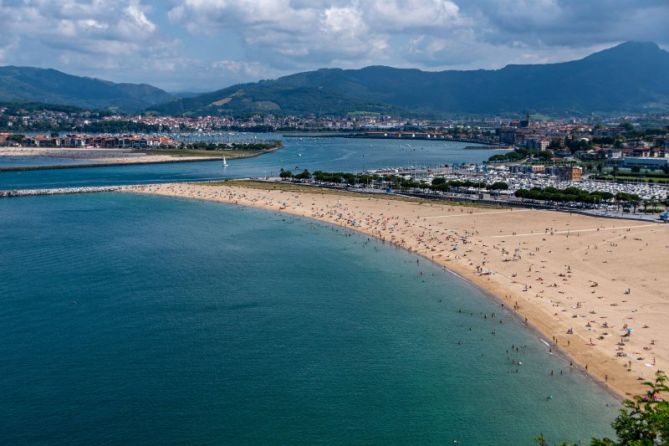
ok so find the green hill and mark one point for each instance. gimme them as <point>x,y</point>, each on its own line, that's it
<point>629,77</point>
<point>27,84</point>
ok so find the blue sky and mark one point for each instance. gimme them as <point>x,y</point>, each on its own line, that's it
<point>201,45</point>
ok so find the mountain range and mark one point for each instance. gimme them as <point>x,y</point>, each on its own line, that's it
<point>28,84</point>
<point>630,77</point>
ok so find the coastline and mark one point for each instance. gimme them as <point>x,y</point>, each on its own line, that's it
<point>410,220</point>
<point>103,164</point>
<point>147,157</point>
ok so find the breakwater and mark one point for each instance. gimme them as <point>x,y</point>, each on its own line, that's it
<point>103,164</point>
<point>58,191</point>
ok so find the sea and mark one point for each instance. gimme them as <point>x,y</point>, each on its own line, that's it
<point>134,319</point>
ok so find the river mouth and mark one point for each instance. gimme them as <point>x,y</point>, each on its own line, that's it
<point>328,154</point>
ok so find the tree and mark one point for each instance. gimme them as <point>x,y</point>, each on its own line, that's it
<point>643,420</point>
<point>304,175</point>
<point>545,155</point>
<point>630,199</point>
<point>285,174</point>
<point>16,138</point>
<point>555,144</point>
<point>541,440</point>
<point>498,185</point>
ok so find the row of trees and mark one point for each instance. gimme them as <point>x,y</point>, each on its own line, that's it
<point>396,181</point>
<point>552,194</point>
<point>444,185</point>
<point>574,194</point>
<point>333,177</point>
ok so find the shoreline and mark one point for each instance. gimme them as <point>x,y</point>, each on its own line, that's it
<point>603,367</point>
<point>151,157</point>
<point>92,165</point>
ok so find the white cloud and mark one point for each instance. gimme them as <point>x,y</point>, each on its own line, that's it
<point>298,33</point>
<point>401,15</point>
<point>94,31</point>
<point>293,34</point>
<point>211,43</point>
<point>137,20</point>
<point>241,69</point>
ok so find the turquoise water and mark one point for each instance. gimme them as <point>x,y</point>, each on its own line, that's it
<point>331,154</point>
<point>144,320</point>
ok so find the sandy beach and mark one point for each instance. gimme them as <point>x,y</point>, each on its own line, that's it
<point>97,156</point>
<point>596,289</point>
<point>102,157</point>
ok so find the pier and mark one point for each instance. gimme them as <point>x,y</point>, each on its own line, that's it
<point>58,191</point>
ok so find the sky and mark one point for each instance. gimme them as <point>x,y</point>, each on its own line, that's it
<point>203,45</point>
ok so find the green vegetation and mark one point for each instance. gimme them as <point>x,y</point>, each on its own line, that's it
<point>629,77</point>
<point>444,185</point>
<point>632,199</point>
<point>28,84</point>
<point>304,175</point>
<point>645,134</point>
<point>521,154</point>
<point>634,178</point>
<point>344,177</point>
<point>394,181</point>
<point>16,138</point>
<point>275,97</point>
<point>11,120</point>
<point>643,420</point>
<point>498,185</point>
<point>577,145</point>
<point>570,194</point>
<point>31,107</point>
<point>576,195</point>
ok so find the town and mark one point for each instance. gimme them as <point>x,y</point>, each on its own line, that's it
<point>626,155</point>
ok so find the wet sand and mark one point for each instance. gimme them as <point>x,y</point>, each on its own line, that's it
<point>597,289</point>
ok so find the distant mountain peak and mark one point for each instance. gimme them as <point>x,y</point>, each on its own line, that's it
<point>630,51</point>
<point>633,44</point>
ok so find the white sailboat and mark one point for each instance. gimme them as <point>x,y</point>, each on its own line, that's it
<point>225,162</point>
